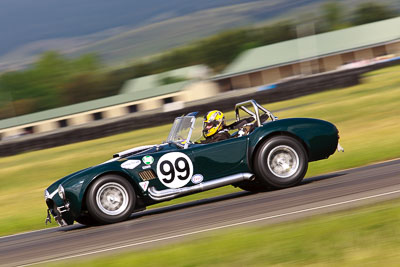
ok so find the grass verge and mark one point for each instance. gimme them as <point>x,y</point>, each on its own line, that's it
<point>366,115</point>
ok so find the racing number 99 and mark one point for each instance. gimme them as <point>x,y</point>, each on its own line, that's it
<point>179,169</point>
<point>174,169</point>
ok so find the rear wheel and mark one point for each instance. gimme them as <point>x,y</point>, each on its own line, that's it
<point>110,199</point>
<point>280,162</point>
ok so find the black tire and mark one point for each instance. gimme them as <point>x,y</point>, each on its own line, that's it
<point>280,162</point>
<point>110,199</point>
<point>86,220</point>
<point>252,186</point>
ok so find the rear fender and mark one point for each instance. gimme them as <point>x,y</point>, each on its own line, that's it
<point>319,138</point>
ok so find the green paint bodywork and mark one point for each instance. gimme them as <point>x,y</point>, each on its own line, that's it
<point>212,161</point>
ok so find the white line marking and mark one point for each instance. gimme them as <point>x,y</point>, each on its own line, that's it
<point>215,228</point>
<point>359,167</point>
<point>29,232</point>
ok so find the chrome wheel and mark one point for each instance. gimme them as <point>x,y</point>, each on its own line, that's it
<point>280,162</point>
<point>283,161</point>
<point>112,198</point>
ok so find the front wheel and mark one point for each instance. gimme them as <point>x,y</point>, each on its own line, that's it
<point>252,186</point>
<point>280,162</point>
<point>110,199</point>
<point>86,220</point>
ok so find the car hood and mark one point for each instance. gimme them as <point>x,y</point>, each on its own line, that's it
<point>137,151</point>
<point>55,185</point>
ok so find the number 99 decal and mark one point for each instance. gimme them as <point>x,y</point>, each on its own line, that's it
<point>174,169</point>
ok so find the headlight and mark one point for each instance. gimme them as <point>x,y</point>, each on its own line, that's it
<point>61,192</point>
<point>46,194</point>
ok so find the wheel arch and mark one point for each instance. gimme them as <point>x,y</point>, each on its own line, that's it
<point>272,135</point>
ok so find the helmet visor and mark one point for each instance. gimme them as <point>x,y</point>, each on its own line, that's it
<point>209,125</point>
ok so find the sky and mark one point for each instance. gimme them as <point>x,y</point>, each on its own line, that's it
<point>23,21</point>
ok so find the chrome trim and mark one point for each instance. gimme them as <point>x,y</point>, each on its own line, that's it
<point>48,218</point>
<point>46,194</point>
<point>118,155</point>
<point>272,116</point>
<point>339,148</point>
<point>57,214</point>
<point>283,161</point>
<point>112,198</point>
<point>63,209</point>
<point>61,192</point>
<point>190,133</point>
<point>172,193</point>
<point>61,222</point>
<point>50,196</point>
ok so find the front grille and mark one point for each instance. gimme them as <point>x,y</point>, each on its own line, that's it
<point>147,175</point>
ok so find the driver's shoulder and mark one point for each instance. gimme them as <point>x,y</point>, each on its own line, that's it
<point>223,134</point>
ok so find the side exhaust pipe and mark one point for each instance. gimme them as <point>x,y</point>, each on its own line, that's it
<point>172,193</point>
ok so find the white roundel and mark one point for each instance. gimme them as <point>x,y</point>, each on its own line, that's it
<point>174,169</point>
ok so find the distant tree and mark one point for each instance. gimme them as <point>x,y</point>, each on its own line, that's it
<point>143,69</point>
<point>47,75</point>
<point>221,49</point>
<point>52,67</point>
<point>78,89</point>
<point>52,81</point>
<point>85,87</point>
<point>275,33</point>
<point>18,97</point>
<point>172,60</point>
<point>332,16</point>
<point>86,63</point>
<point>16,85</point>
<point>24,106</point>
<point>371,12</point>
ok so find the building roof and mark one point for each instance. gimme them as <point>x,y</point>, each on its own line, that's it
<point>155,80</point>
<point>314,46</point>
<point>92,105</point>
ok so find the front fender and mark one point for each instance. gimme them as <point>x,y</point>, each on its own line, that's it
<point>76,186</point>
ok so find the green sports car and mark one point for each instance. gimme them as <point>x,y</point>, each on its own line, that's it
<point>262,153</point>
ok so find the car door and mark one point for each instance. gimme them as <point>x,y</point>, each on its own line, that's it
<point>221,158</point>
<point>173,167</point>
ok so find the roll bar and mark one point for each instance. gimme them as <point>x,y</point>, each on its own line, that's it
<point>256,114</point>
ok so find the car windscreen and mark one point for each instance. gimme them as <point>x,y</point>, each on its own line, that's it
<point>181,129</point>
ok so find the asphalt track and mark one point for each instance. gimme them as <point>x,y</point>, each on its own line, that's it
<point>152,228</point>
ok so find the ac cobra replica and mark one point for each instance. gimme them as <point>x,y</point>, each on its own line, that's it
<point>262,153</point>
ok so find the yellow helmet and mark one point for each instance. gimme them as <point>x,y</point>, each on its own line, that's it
<point>213,122</point>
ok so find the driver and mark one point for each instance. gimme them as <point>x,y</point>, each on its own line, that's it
<point>214,128</point>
